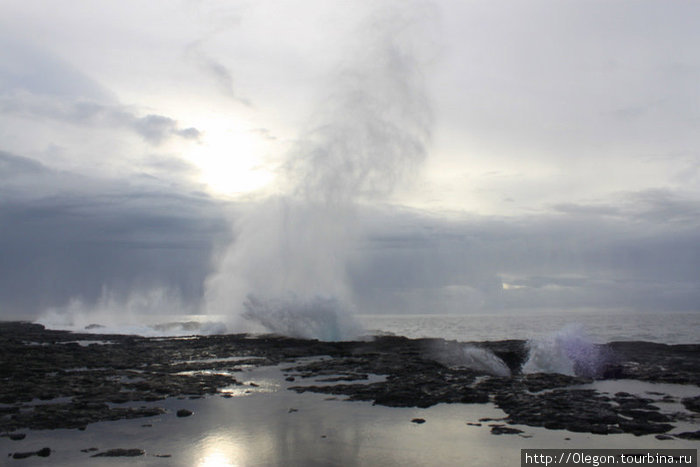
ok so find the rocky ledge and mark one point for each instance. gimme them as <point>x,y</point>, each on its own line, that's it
<point>55,379</point>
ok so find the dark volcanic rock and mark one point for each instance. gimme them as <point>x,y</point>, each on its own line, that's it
<point>504,430</point>
<point>43,452</point>
<point>692,403</point>
<point>647,361</point>
<point>689,435</point>
<point>638,428</point>
<point>48,380</point>
<point>184,413</point>
<point>418,420</point>
<point>121,453</point>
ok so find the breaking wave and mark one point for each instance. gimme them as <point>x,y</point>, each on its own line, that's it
<point>568,351</point>
<point>323,318</point>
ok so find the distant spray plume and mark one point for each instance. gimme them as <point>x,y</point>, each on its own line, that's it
<point>286,270</point>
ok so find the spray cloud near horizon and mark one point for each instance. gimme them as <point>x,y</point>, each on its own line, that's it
<point>285,272</point>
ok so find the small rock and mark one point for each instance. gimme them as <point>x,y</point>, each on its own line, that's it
<point>43,452</point>
<point>473,424</point>
<point>642,428</point>
<point>17,436</point>
<point>121,453</point>
<point>88,450</point>
<point>183,413</point>
<point>504,430</point>
<point>290,378</point>
<point>689,435</point>
<point>663,437</point>
<point>418,420</point>
<point>692,403</point>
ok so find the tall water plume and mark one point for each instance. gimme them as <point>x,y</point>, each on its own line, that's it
<point>286,269</point>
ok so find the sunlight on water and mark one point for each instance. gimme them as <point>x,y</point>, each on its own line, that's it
<point>220,451</point>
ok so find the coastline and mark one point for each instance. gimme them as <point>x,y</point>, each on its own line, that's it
<point>269,400</point>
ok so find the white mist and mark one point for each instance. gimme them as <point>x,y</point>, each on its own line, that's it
<point>285,272</point>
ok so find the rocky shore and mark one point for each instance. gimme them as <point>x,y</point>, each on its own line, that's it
<point>56,379</point>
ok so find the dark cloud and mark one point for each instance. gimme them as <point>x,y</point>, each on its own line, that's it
<point>658,206</point>
<point>12,166</point>
<point>112,234</point>
<point>586,259</point>
<point>156,128</point>
<point>86,235</point>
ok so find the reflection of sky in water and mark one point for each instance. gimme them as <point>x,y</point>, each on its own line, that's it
<point>274,426</point>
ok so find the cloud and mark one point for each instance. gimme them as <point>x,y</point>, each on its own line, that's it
<point>156,128</point>
<point>28,67</point>
<point>13,166</point>
<point>220,74</point>
<point>77,235</point>
<point>585,259</point>
<point>153,128</point>
<point>659,206</point>
<point>84,235</point>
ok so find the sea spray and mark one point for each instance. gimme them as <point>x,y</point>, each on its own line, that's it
<point>153,311</point>
<point>286,269</point>
<point>457,355</point>
<point>484,360</point>
<point>568,351</point>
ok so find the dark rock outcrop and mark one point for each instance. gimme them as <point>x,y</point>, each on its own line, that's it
<point>49,380</point>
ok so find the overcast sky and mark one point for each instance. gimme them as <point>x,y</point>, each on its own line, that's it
<point>562,168</point>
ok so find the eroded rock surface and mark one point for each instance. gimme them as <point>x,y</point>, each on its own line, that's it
<point>55,379</point>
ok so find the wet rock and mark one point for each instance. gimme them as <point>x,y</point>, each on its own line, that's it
<point>504,430</point>
<point>638,428</point>
<point>183,413</point>
<point>77,385</point>
<point>43,452</point>
<point>418,420</point>
<point>134,452</point>
<point>689,435</point>
<point>692,403</point>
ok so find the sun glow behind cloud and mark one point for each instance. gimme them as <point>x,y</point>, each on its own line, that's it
<point>231,161</point>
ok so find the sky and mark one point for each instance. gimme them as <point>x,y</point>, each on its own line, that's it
<point>561,167</point>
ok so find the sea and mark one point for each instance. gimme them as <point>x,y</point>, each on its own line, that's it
<point>599,327</point>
